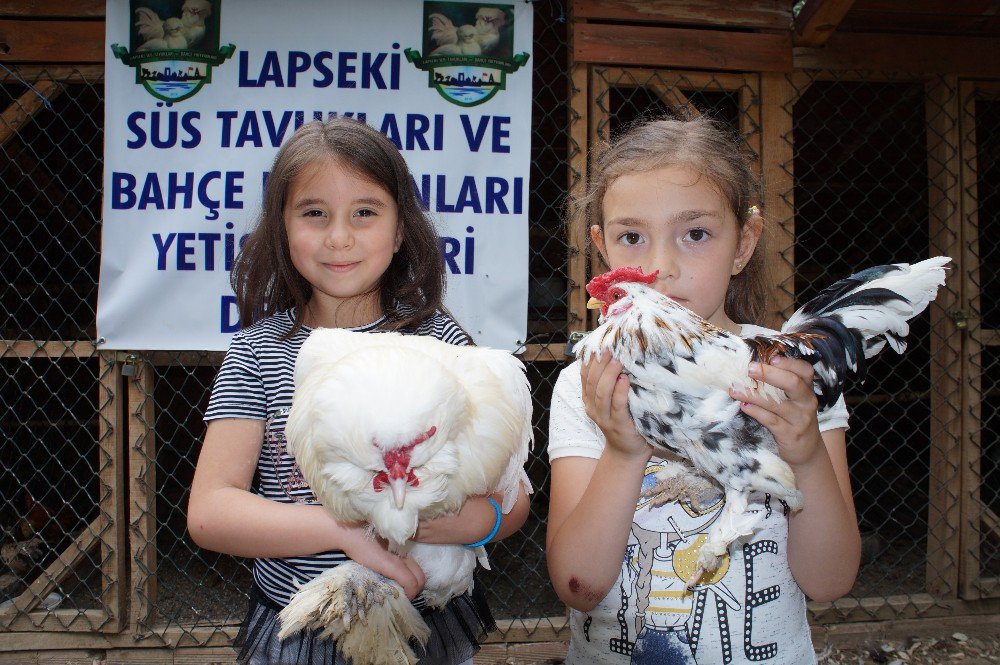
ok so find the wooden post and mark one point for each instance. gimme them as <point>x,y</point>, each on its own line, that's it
<point>142,496</point>
<point>976,520</point>
<point>111,450</point>
<point>945,487</point>
<point>577,179</point>
<point>599,117</point>
<point>777,154</point>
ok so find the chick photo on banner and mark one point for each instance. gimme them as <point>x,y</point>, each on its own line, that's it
<point>343,243</point>
<point>700,489</point>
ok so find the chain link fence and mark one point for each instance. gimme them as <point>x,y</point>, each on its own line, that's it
<point>99,448</point>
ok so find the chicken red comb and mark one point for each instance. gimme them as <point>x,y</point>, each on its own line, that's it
<point>600,284</point>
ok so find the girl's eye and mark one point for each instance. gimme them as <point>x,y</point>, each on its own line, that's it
<point>365,212</point>
<point>312,213</point>
<point>630,238</point>
<point>696,235</point>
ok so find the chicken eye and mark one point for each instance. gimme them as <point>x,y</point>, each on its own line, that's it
<point>617,294</point>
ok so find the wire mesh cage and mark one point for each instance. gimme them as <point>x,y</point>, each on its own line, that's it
<point>99,448</point>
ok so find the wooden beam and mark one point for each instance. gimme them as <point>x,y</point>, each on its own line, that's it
<point>818,19</point>
<point>57,571</point>
<point>599,113</point>
<point>52,8</point>
<point>922,54</point>
<point>23,109</point>
<point>39,626</point>
<point>777,159</point>
<point>533,353</point>
<point>51,41</point>
<point>861,632</point>
<point>110,464</point>
<point>760,14</point>
<point>576,173</point>
<point>62,73</point>
<point>677,47</point>
<point>142,496</point>
<point>944,484</point>
<point>973,373</point>
<point>16,348</point>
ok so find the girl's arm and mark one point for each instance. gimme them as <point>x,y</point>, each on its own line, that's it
<point>224,516</point>
<point>592,502</point>
<point>474,521</point>
<point>824,544</point>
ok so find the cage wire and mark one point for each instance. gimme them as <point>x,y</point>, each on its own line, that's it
<point>84,429</point>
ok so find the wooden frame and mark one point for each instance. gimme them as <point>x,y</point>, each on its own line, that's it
<point>752,44</point>
<point>943,509</point>
<point>977,519</point>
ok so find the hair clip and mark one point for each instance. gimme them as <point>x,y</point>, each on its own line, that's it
<point>752,211</point>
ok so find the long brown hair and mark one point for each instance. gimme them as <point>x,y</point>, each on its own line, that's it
<point>708,148</point>
<point>264,279</point>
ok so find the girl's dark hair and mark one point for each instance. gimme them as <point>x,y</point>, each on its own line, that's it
<point>712,150</point>
<point>264,279</point>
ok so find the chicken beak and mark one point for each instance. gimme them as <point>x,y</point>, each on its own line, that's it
<point>398,487</point>
<point>594,303</point>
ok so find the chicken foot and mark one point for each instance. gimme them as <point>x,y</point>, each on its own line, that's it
<point>367,614</point>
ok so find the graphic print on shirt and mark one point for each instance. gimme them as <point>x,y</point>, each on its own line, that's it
<point>659,621</point>
<point>285,469</point>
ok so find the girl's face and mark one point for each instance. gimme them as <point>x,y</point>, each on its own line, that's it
<point>343,230</point>
<point>673,220</point>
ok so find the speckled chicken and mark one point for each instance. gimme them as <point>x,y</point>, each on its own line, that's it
<point>681,367</point>
<point>391,429</point>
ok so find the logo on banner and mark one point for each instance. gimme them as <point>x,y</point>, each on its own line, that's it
<point>173,45</point>
<point>469,50</point>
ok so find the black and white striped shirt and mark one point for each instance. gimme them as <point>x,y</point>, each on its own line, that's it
<point>256,382</point>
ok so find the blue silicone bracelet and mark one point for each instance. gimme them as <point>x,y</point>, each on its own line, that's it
<point>496,525</point>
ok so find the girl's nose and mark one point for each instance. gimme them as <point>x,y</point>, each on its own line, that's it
<point>667,264</point>
<point>339,236</point>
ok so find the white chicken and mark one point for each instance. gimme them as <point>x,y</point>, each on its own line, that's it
<point>148,25</point>
<point>173,37</point>
<point>681,367</point>
<point>193,15</point>
<point>443,33</point>
<point>391,429</point>
<point>467,44</point>
<point>489,21</point>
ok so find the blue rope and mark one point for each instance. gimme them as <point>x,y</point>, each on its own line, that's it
<point>45,100</point>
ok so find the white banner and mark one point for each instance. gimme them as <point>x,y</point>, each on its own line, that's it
<point>199,95</point>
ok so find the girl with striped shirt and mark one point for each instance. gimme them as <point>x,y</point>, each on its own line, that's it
<point>341,243</point>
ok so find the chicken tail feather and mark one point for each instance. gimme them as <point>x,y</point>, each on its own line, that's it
<point>852,320</point>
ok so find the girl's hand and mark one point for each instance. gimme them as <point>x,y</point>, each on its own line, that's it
<point>374,555</point>
<point>605,398</point>
<point>792,422</point>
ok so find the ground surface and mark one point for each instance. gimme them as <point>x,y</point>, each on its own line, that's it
<point>958,648</point>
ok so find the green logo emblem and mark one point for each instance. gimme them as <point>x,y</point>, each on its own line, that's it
<point>173,46</point>
<point>469,50</point>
